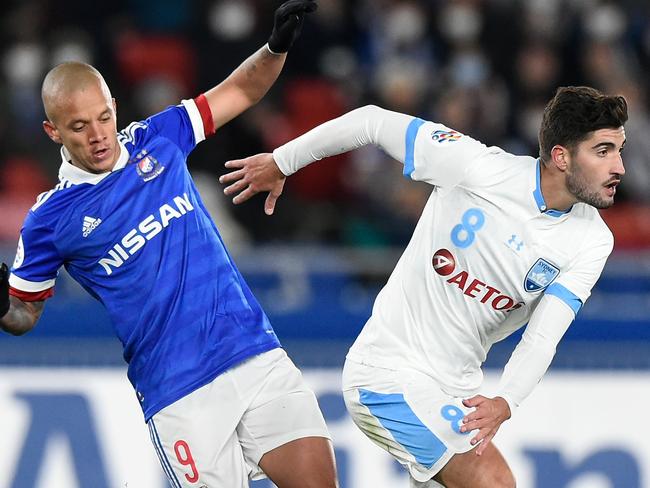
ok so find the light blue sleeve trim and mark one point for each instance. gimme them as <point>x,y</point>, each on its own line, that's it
<point>566,296</point>
<point>411,134</point>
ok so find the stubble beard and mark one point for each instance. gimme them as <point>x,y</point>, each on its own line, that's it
<point>579,188</point>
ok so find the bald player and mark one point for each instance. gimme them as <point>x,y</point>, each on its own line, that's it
<point>504,241</point>
<point>223,402</point>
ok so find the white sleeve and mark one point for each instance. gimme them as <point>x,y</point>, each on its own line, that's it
<point>365,125</point>
<point>429,151</point>
<point>444,157</point>
<point>574,285</point>
<point>534,353</point>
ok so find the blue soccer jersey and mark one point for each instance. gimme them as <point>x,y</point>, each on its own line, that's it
<point>140,241</point>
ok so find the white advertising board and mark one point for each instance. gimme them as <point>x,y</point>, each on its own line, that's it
<point>83,428</point>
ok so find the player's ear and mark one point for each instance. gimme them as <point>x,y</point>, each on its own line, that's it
<point>52,132</point>
<point>114,106</point>
<point>560,157</point>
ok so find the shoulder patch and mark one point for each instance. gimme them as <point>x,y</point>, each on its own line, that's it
<point>445,136</point>
<point>20,254</point>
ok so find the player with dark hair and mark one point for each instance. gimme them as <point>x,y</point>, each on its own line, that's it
<point>503,242</point>
<point>223,402</point>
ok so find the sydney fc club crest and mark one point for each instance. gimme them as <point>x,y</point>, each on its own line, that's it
<point>147,166</point>
<point>540,276</point>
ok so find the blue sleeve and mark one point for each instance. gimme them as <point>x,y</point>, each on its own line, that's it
<point>37,258</point>
<point>174,124</point>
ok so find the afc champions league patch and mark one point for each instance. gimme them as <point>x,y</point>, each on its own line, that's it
<point>540,275</point>
<point>147,166</point>
<point>445,136</point>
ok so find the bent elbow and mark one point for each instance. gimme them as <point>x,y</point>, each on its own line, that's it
<point>17,330</point>
<point>23,331</point>
<point>370,109</point>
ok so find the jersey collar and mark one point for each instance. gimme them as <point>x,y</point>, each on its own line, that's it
<point>77,176</point>
<point>539,198</point>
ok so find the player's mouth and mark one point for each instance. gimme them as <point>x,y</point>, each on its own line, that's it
<point>101,154</point>
<point>610,188</point>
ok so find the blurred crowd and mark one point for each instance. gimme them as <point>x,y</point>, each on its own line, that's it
<point>482,67</point>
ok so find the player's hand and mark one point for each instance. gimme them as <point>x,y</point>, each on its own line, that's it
<point>4,290</point>
<point>253,175</point>
<point>487,417</point>
<point>287,23</point>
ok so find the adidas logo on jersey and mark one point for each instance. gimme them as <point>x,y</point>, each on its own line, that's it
<point>89,225</point>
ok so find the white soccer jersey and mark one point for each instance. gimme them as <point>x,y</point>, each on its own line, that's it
<point>483,253</point>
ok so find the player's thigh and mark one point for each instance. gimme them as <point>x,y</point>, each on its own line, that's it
<point>407,415</point>
<point>196,441</point>
<point>285,421</point>
<point>467,470</point>
<point>307,462</point>
<point>424,484</point>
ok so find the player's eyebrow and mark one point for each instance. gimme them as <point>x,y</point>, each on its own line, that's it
<point>605,145</point>
<point>77,121</point>
<point>84,121</point>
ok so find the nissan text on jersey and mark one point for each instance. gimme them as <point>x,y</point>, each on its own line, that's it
<point>146,230</point>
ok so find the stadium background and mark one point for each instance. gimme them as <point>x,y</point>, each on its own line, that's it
<point>485,68</point>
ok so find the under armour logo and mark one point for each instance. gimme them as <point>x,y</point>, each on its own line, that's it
<point>514,244</point>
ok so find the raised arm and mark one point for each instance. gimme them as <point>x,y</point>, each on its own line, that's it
<point>248,83</point>
<point>16,317</point>
<point>360,127</point>
<point>267,172</point>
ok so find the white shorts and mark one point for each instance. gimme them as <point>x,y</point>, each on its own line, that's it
<point>407,414</point>
<point>216,435</point>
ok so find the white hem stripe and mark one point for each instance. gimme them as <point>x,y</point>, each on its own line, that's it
<point>29,286</point>
<point>195,118</point>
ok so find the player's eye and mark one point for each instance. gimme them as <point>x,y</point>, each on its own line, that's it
<point>78,128</point>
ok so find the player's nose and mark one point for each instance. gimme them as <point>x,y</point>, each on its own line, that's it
<point>95,133</point>
<point>619,168</point>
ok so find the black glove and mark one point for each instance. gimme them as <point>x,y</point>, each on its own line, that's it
<point>288,22</point>
<point>4,290</point>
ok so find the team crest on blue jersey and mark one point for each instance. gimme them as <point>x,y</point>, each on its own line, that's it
<point>148,167</point>
<point>444,136</point>
<point>540,275</point>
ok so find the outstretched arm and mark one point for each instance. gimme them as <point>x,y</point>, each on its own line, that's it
<point>16,317</point>
<point>528,363</point>
<point>248,83</point>
<point>267,172</point>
